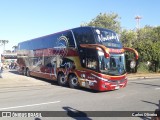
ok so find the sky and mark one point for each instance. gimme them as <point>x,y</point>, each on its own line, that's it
<point>22,20</point>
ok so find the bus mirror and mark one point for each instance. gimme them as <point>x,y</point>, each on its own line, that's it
<point>132,50</point>
<point>101,53</point>
<point>106,55</point>
<point>97,46</point>
<point>132,64</point>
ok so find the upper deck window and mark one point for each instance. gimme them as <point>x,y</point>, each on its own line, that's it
<point>62,39</point>
<point>84,35</point>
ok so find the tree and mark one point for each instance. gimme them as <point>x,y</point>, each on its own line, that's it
<point>104,20</point>
<point>15,48</point>
<point>4,42</point>
<point>148,42</point>
<point>145,40</point>
<point>128,38</point>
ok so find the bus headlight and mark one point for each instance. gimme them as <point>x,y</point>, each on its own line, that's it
<point>104,86</point>
<point>83,75</point>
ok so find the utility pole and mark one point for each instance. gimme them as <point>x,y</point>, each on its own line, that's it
<point>138,21</point>
<point>137,18</point>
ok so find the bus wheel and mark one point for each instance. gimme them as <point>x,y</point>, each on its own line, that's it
<point>73,82</point>
<point>24,72</point>
<point>62,81</point>
<point>27,73</point>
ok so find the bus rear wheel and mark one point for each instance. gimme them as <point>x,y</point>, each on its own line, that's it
<point>62,81</point>
<point>73,82</point>
<point>24,72</point>
<point>28,72</point>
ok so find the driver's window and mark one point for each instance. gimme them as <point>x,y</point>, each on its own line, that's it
<point>103,63</point>
<point>47,62</point>
<point>91,61</point>
<point>112,62</point>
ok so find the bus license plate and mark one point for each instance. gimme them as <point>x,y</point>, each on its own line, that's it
<point>117,87</point>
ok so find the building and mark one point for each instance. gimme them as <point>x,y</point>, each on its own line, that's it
<point>8,57</point>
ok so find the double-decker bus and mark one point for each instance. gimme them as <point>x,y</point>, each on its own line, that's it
<point>89,57</point>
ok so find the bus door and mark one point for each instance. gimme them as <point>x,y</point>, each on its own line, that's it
<point>49,69</point>
<point>36,64</point>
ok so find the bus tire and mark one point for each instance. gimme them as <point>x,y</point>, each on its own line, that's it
<point>62,81</point>
<point>24,72</point>
<point>73,81</point>
<point>28,72</point>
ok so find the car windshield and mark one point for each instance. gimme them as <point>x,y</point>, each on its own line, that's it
<point>114,65</point>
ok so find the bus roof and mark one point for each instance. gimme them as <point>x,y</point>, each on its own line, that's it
<point>64,31</point>
<point>32,43</point>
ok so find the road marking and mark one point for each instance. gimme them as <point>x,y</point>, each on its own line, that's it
<point>157,88</point>
<point>29,105</point>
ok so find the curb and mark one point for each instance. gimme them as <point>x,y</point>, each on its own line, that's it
<point>143,77</point>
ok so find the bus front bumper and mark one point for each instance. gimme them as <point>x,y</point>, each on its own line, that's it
<point>112,84</point>
<point>102,85</point>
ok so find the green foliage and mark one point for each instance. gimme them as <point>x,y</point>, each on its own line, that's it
<point>128,38</point>
<point>143,68</point>
<point>3,42</point>
<point>145,40</point>
<point>104,20</point>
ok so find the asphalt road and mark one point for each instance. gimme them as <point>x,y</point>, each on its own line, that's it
<point>20,93</point>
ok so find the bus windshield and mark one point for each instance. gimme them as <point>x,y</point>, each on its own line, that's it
<point>114,65</point>
<point>107,37</point>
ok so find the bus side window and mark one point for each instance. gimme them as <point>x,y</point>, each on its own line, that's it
<point>67,63</point>
<point>47,62</point>
<point>49,65</point>
<point>35,60</point>
<point>91,63</point>
<point>89,59</point>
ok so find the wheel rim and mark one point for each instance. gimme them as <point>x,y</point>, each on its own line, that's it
<point>24,72</point>
<point>28,74</point>
<point>62,79</point>
<point>74,81</point>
